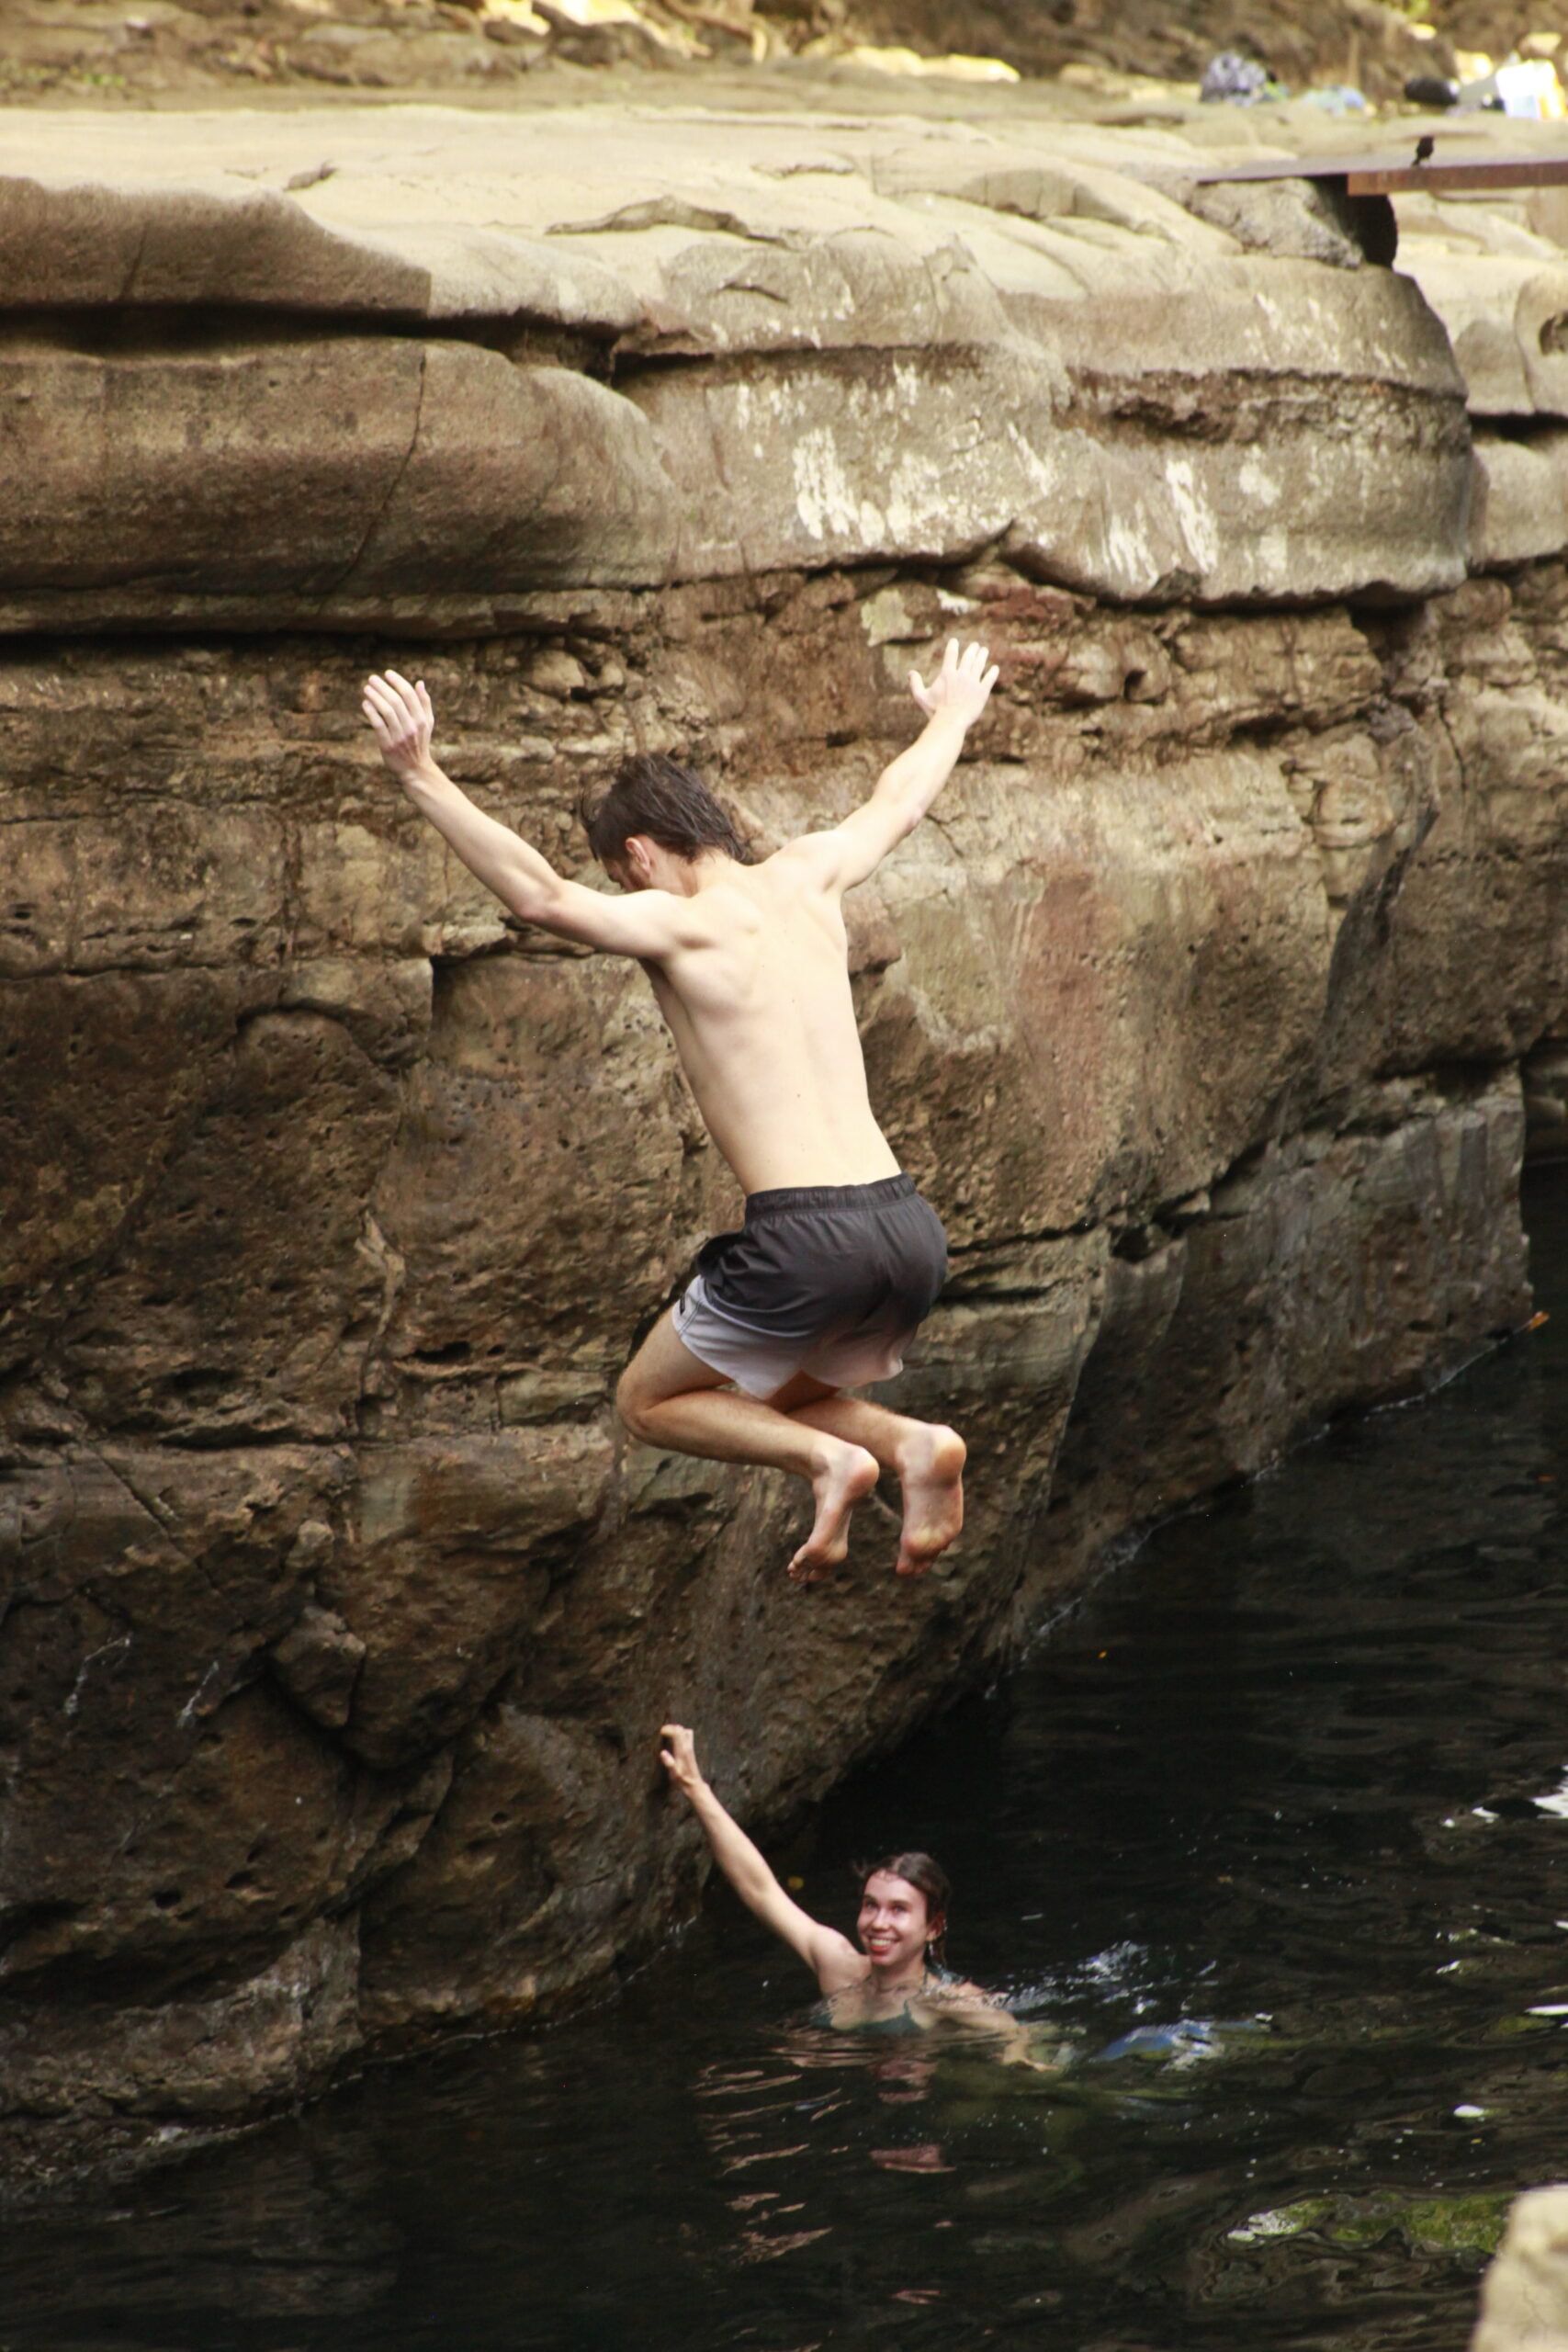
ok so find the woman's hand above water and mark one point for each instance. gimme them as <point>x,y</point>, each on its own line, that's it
<point>832,1957</point>
<point>679,1758</point>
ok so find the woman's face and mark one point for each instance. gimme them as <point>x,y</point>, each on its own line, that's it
<point>893,1924</point>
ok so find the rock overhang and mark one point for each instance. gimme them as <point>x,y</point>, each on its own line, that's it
<point>513,359</point>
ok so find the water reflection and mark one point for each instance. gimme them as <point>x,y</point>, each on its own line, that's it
<point>1266,1847</point>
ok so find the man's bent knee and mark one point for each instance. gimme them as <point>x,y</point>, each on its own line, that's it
<point>631,1400</point>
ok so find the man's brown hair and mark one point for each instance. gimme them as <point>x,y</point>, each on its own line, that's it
<point>654,794</point>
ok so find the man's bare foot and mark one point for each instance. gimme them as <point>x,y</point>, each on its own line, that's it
<point>930,1467</point>
<point>844,1473</point>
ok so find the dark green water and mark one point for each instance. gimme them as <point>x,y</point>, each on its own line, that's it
<point>1284,1803</point>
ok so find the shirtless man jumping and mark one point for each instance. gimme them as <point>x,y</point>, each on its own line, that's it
<point>840,1259</point>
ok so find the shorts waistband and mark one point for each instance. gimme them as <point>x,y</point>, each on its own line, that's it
<point>788,1198</point>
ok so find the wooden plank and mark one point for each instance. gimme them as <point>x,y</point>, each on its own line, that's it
<point>1306,167</point>
<point>1538,171</point>
<point>1383,174</point>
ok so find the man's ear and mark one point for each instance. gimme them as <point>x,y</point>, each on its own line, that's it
<point>639,855</point>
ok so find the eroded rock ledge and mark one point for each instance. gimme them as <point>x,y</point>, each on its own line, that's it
<point>339,1618</point>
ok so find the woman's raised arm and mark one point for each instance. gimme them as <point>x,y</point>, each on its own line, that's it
<point>829,1955</point>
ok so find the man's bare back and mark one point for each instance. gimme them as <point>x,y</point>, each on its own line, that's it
<point>837,1262</point>
<point>760,1008</point>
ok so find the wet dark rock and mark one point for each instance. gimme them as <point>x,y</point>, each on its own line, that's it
<point>318,1663</point>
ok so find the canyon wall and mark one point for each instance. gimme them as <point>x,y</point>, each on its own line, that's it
<point>338,1615</point>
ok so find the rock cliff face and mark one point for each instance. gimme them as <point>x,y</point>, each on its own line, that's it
<point>338,1617</point>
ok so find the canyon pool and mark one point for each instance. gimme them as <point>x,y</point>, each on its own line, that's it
<point>1265,1841</point>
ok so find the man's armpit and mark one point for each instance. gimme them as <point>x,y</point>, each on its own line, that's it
<point>644,925</point>
<point>818,854</point>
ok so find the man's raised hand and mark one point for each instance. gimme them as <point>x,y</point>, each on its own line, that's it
<point>402,720</point>
<point>962,686</point>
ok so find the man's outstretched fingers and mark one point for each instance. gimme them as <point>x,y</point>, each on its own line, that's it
<point>961,683</point>
<point>403,717</point>
<point>381,698</point>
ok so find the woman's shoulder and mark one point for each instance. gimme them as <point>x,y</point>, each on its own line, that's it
<point>839,1967</point>
<point>941,1984</point>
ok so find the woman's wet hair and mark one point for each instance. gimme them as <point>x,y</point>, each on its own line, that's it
<point>654,794</point>
<point>920,1870</point>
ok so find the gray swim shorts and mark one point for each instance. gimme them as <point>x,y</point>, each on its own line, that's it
<point>830,1279</point>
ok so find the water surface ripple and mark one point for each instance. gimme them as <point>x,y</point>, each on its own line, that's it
<point>1266,1843</point>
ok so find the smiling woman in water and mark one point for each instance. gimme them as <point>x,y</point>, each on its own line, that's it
<point>897,1973</point>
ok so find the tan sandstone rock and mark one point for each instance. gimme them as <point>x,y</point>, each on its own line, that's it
<point>355,466</point>
<point>935,345</point>
<point>1519,508</point>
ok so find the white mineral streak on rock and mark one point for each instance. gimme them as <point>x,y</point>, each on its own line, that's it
<point>1196,517</point>
<point>917,496</point>
<point>1257,482</point>
<point>829,507</point>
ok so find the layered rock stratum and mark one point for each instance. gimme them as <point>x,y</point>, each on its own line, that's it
<point>339,1617</point>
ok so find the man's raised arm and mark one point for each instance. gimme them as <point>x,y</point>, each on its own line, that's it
<point>909,784</point>
<point>403,721</point>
